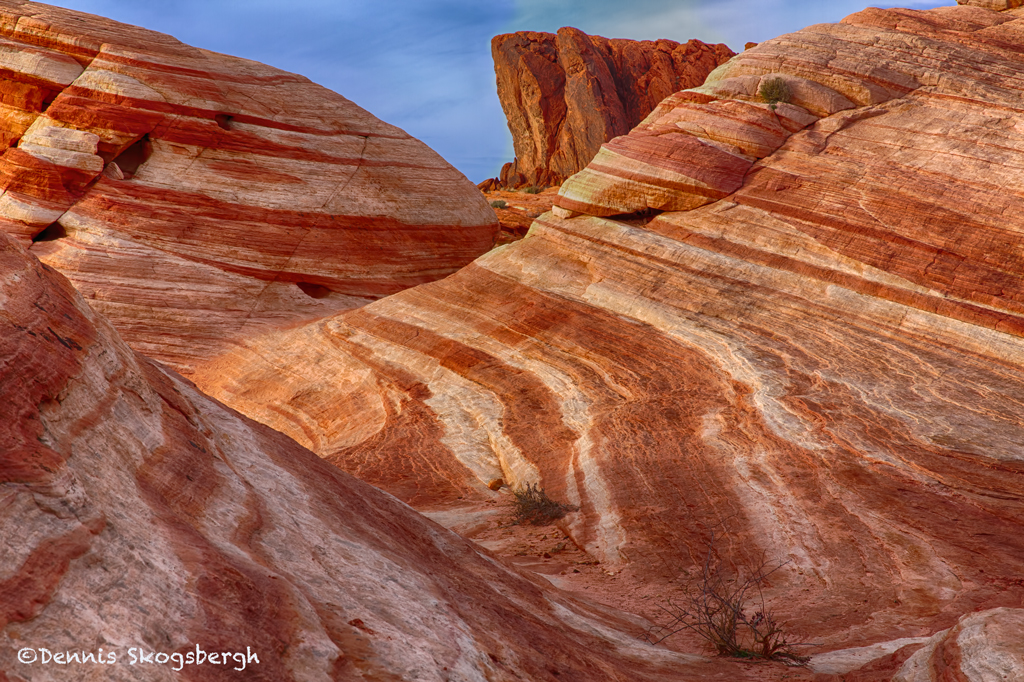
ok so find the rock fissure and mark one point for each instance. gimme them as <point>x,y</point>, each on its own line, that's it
<point>351,177</point>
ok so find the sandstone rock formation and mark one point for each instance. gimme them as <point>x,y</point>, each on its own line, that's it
<point>815,353</point>
<point>565,94</point>
<point>181,189</point>
<point>982,646</point>
<point>139,514</point>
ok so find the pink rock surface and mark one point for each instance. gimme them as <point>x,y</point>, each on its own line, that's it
<point>138,513</point>
<point>823,365</point>
<point>235,198</point>
<point>690,151</point>
<point>980,647</point>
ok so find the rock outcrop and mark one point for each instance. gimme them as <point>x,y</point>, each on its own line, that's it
<point>140,517</point>
<point>815,354</point>
<point>566,94</point>
<point>982,646</point>
<point>197,199</point>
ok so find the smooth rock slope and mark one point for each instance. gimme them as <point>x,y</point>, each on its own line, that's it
<point>565,94</point>
<point>198,199</point>
<point>814,353</point>
<point>139,515</point>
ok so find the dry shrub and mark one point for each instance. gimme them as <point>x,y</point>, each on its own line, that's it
<point>730,615</point>
<point>530,504</point>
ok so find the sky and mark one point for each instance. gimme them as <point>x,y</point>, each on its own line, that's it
<point>425,65</point>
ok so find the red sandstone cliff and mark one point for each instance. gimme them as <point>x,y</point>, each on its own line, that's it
<point>566,94</point>
<point>197,199</point>
<point>814,351</point>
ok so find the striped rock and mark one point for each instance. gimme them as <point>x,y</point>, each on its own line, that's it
<point>694,153</point>
<point>140,517</point>
<point>181,189</point>
<point>982,646</point>
<point>697,146</point>
<point>824,366</point>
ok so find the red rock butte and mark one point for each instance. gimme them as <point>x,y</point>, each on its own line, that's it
<point>197,199</point>
<point>565,94</point>
<point>799,327</point>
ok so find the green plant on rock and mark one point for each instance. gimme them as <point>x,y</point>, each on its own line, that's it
<point>774,90</point>
<point>532,190</point>
<point>530,504</point>
<point>499,203</point>
<point>728,613</point>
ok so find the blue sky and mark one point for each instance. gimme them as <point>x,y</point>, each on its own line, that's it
<point>425,65</point>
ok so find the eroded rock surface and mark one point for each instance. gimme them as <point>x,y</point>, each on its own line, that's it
<point>820,360</point>
<point>197,198</point>
<point>138,513</point>
<point>566,94</point>
<point>982,646</point>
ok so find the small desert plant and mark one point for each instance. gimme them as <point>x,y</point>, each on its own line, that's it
<point>498,203</point>
<point>719,610</point>
<point>774,90</point>
<point>532,190</point>
<point>530,504</point>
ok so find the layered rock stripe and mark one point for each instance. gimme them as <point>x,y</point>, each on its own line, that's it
<point>699,145</point>
<point>822,362</point>
<point>981,646</point>
<point>197,198</point>
<point>137,512</point>
<point>565,94</point>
